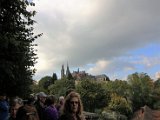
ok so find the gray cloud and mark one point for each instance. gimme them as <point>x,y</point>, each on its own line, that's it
<point>87,31</point>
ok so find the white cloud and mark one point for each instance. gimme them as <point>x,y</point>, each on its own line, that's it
<point>42,63</point>
<point>157,75</point>
<point>99,67</point>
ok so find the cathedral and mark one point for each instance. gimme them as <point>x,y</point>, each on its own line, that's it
<point>78,75</point>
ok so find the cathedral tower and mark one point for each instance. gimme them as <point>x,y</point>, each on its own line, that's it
<point>62,72</point>
<point>67,71</point>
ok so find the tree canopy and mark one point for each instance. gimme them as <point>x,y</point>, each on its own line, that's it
<point>17,53</point>
<point>92,93</point>
<point>60,87</point>
<point>141,89</point>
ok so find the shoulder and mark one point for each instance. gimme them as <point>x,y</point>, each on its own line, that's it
<point>51,111</point>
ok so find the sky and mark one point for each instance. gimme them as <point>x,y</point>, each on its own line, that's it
<point>112,37</point>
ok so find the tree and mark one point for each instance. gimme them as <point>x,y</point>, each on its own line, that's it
<point>157,83</point>
<point>45,82</point>
<point>93,93</point>
<point>54,77</point>
<point>35,88</point>
<point>17,53</point>
<point>69,76</point>
<point>119,87</point>
<point>156,94</point>
<point>120,104</point>
<point>141,90</point>
<point>60,87</point>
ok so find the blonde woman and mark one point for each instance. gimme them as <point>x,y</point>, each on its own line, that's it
<point>73,108</point>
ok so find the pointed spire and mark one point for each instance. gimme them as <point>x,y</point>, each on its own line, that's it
<point>67,71</point>
<point>62,72</point>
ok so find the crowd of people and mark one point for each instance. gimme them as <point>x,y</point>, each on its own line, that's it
<point>42,107</point>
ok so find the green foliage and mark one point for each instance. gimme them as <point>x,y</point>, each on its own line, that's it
<point>119,87</point>
<point>69,77</point>
<point>17,53</point>
<point>94,95</point>
<point>36,89</point>
<point>156,94</point>
<point>119,92</point>
<point>141,90</point>
<point>120,104</point>
<point>54,77</point>
<point>60,87</point>
<point>45,82</point>
<point>157,83</point>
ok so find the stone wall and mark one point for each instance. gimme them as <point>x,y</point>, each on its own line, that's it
<point>107,116</point>
<point>91,116</point>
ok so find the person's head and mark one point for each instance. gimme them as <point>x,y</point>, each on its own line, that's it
<point>42,97</point>
<point>15,105</point>
<point>30,101</point>
<point>51,100</point>
<point>18,101</point>
<point>73,104</point>
<point>61,100</point>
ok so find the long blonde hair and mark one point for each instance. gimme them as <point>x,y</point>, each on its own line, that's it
<point>66,107</point>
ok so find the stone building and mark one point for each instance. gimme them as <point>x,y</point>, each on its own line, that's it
<point>79,75</point>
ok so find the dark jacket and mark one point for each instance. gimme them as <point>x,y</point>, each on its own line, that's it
<point>11,118</point>
<point>4,110</point>
<point>40,110</point>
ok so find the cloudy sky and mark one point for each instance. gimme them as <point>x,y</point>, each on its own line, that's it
<point>112,37</point>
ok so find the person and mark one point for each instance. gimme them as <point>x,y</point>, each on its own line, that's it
<point>51,112</point>
<point>40,104</point>
<point>14,106</point>
<point>4,107</point>
<point>73,108</point>
<point>60,103</point>
<point>28,111</point>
